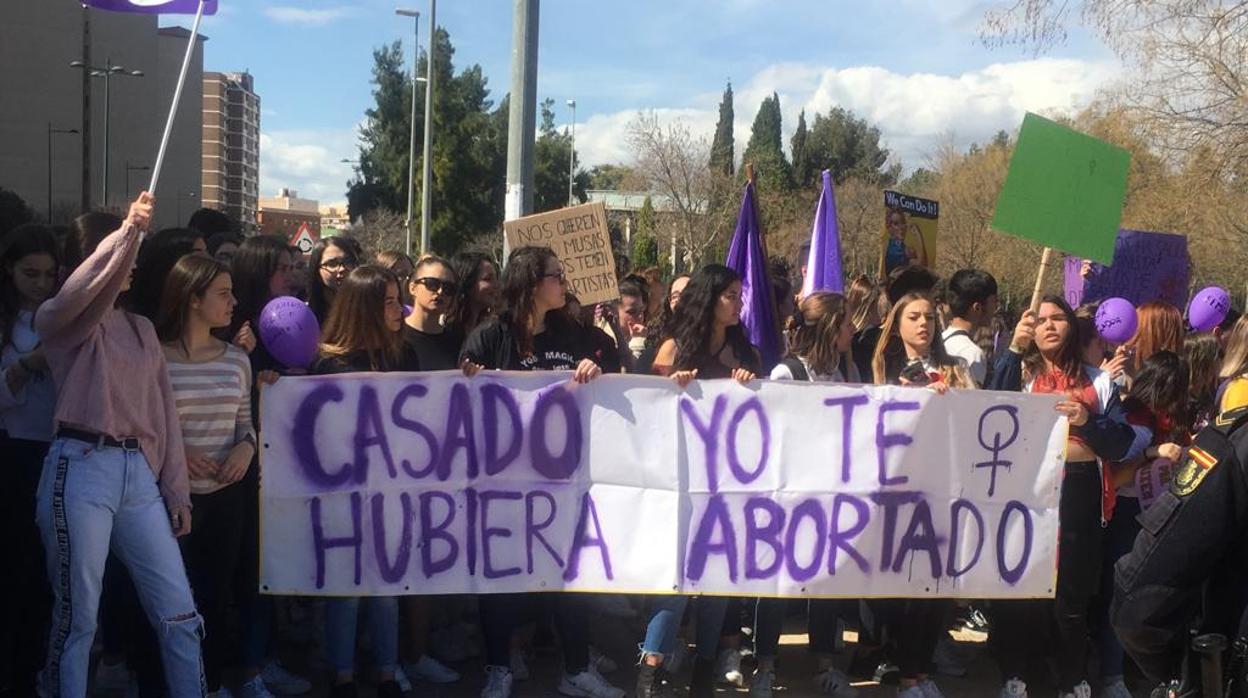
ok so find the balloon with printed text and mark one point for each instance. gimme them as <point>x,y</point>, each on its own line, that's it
<point>1116,320</point>
<point>1208,308</point>
<point>289,331</point>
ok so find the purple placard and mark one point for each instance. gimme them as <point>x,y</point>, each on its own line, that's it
<point>1072,287</point>
<point>154,7</point>
<point>1147,267</point>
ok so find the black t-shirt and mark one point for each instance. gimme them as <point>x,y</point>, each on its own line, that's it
<point>863,350</point>
<point>560,348</point>
<point>432,352</point>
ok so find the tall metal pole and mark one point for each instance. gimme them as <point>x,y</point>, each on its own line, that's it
<point>85,191</point>
<point>108,76</point>
<point>49,173</point>
<point>426,192</point>
<point>522,123</point>
<point>572,152</point>
<point>411,147</point>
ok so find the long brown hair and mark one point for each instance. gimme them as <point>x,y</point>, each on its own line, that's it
<point>1069,359</point>
<point>1160,329</point>
<point>863,297</point>
<point>889,345</point>
<point>190,278</point>
<point>819,320</point>
<point>357,322</point>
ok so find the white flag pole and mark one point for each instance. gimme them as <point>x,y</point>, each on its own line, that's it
<point>177,98</point>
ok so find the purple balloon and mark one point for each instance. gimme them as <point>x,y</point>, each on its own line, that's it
<point>1116,320</point>
<point>407,310</point>
<point>1208,308</point>
<point>289,331</point>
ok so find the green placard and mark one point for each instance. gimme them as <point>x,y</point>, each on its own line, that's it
<point>1064,190</point>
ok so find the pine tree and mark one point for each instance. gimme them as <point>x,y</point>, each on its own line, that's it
<point>765,150</point>
<point>802,171</point>
<point>645,252</point>
<point>722,148</point>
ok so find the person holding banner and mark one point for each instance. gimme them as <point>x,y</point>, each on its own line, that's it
<point>708,342</point>
<point>212,386</point>
<point>1044,357</point>
<point>910,352</point>
<point>362,334</point>
<point>534,334</point>
<point>116,474</point>
<point>822,337</point>
<point>478,295</point>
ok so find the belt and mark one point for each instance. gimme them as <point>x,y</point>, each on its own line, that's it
<point>129,443</point>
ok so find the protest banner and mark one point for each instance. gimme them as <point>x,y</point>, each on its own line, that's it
<point>579,235</point>
<point>910,229</point>
<point>1072,280</point>
<point>433,483</point>
<point>1147,267</point>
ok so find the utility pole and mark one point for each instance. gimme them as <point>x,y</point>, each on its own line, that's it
<point>426,194</point>
<point>522,123</point>
<point>572,153</point>
<point>411,144</point>
<point>86,111</point>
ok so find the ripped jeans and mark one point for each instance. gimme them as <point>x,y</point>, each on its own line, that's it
<point>92,499</point>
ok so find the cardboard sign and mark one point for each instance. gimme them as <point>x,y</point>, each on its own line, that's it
<point>1064,190</point>
<point>1147,267</point>
<point>433,483</point>
<point>910,228</point>
<point>579,236</point>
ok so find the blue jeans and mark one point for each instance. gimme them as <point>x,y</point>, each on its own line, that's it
<point>665,620</point>
<point>381,618</point>
<point>91,499</point>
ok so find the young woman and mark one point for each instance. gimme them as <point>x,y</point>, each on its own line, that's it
<point>223,245</point>
<point>116,473</point>
<point>430,347</point>
<point>910,351</point>
<point>478,297</point>
<point>708,342</point>
<point>533,334</point>
<point>30,263</point>
<point>212,388</point>
<point>332,259</point>
<point>362,334</point>
<point>157,255</point>
<point>867,305</point>
<point>822,336</point>
<point>1045,358</point>
<point>661,323</point>
<point>1160,329</point>
<point>1233,376</point>
<point>1203,354</point>
<point>401,266</point>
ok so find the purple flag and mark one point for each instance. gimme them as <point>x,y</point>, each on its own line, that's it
<point>746,257</point>
<point>823,266</point>
<point>154,7</point>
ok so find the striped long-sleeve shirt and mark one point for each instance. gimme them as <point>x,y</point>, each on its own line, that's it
<point>214,405</point>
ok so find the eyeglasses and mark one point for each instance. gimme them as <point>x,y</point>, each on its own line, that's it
<point>436,285</point>
<point>339,264</point>
<point>563,278</point>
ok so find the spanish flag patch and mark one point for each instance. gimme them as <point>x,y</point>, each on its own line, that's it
<point>1198,464</point>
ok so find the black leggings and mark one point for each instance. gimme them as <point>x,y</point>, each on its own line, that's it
<point>211,552</point>
<point>501,614</point>
<point>1018,624</point>
<point>25,599</point>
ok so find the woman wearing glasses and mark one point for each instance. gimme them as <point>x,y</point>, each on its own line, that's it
<point>332,259</point>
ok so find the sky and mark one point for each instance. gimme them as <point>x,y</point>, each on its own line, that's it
<point>914,68</point>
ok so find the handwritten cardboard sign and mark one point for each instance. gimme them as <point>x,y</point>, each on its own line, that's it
<point>433,483</point>
<point>1147,267</point>
<point>579,236</point>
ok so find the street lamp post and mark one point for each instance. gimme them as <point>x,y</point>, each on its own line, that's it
<point>426,194</point>
<point>572,152</point>
<point>50,132</point>
<point>106,72</point>
<point>134,168</point>
<point>411,146</point>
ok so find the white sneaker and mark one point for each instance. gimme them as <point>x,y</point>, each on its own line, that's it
<point>588,684</point>
<point>915,691</point>
<point>428,669</point>
<point>282,682</point>
<point>1115,689</point>
<point>1082,690</point>
<point>255,688</point>
<point>601,662</point>
<point>730,667</point>
<point>760,685</point>
<point>519,667</point>
<point>835,683</point>
<point>497,682</point>
<point>930,689</point>
<point>111,678</point>
<point>400,677</point>
<point>1014,688</point>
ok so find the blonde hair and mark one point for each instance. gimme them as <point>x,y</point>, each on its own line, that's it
<point>1235,364</point>
<point>954,374</point>
<point>863,297</point>
<point>818,325</point>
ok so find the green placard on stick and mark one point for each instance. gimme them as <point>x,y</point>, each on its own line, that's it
<point>1064,190</point>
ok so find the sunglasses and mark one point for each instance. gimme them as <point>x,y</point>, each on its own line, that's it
<point>436,285</point>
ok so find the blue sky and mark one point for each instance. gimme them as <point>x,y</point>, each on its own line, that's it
<point>913,67</point>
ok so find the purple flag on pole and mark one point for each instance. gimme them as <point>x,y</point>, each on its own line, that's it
<point>154,7</point>
<point>823,266</point>
<point>746,257</point>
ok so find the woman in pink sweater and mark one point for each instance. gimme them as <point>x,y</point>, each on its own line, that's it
<point>116,474</point>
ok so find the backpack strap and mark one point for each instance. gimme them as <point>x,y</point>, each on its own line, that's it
<point>797,368</point>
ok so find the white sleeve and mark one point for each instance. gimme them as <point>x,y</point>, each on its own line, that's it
<point>781,373</point>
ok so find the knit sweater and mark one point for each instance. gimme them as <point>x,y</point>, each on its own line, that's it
<point>108,365</point>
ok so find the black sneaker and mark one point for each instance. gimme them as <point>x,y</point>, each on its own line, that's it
<point>389,689</point>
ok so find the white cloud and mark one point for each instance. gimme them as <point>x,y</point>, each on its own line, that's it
<point>915,112</point>
<point>308,161</point>
<point>306,16</point>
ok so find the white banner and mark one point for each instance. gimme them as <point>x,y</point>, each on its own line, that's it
<point>433,483</point>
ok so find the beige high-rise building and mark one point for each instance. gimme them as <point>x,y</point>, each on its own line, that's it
<point>231,146</point>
